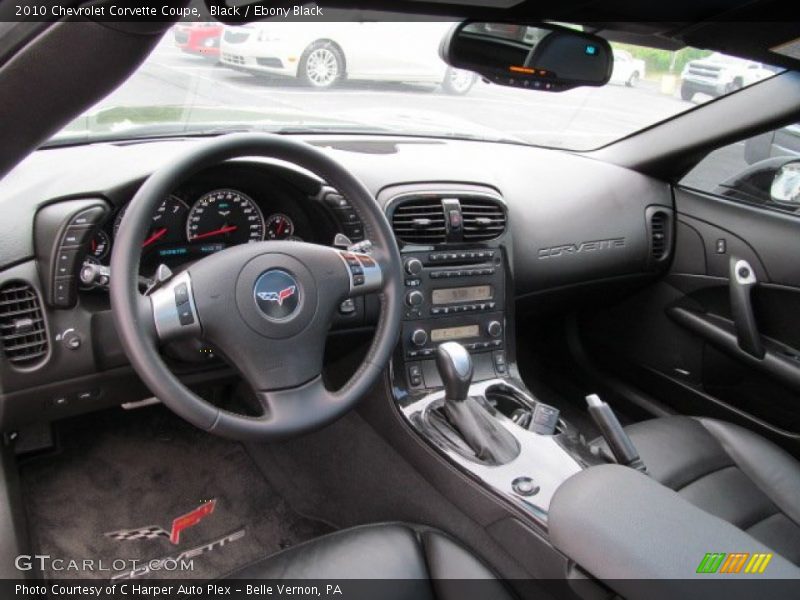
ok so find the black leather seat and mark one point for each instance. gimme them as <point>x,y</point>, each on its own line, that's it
<point>729,472</point>
<point>425,557</point>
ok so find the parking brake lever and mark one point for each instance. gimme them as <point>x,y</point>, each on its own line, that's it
<point>742,280</point>
<point>615,436</point>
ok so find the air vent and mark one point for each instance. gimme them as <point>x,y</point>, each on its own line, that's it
<point>484,219</point>
<point>420,221</point>
<point>658,234</point>
<point>659,224</point>
<point>22,331</point>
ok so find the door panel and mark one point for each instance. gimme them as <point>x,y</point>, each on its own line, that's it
<point>678,339</point>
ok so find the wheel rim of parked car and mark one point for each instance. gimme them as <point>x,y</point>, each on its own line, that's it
<point>460,80</point>
<point>322,67</point>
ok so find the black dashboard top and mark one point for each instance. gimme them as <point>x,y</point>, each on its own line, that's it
<point>561,203</point>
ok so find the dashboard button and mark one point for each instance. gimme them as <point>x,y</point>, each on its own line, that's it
<point>63,293</point>
<point>414,298</point>
<point>65,261</point>
<point>75,236</point>
<point>88,217</point>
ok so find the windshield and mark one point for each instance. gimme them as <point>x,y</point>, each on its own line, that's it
<point>387,77</point>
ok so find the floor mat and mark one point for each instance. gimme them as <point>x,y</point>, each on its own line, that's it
<point>144,487</point>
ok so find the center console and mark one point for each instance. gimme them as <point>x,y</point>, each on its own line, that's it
<point>459,288</point>
<point>454,296</point>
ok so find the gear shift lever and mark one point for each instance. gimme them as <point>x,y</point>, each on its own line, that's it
<point>455,368</point>
<point>488,439</point>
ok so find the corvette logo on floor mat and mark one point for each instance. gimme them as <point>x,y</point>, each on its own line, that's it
<point>152,532</point>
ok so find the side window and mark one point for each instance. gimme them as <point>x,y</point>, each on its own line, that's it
<point>762,170</point>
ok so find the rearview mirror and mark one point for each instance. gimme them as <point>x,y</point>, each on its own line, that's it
<point>539,57</point>
<point>786,184</point>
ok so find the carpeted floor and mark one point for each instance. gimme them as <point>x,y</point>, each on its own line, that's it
<point>132,474</point>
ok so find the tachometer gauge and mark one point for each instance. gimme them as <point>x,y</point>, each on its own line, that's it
<point>225,216</point>
<point>99,246</point>
<point>166,224</point>
<point>279,227</point>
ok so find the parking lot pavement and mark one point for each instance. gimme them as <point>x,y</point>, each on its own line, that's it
<point>581,118</point>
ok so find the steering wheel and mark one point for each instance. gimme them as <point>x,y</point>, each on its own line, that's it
<point>266,306</point>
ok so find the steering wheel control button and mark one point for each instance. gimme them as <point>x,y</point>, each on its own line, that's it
<point>524,486</point>
<point>277,294</point>
<point>181,294</point>
<point>365,274</point>
<point>185,315</point>
<point>173,318</point>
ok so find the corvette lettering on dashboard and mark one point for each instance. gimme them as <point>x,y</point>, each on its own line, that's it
<point>580,248</point>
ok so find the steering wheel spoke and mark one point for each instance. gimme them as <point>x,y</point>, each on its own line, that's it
<point>364,271</point>
<point>174,310</point>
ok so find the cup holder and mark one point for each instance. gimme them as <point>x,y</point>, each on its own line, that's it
<point>515,406</point>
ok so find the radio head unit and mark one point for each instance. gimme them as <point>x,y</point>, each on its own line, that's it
<point>454,296</point>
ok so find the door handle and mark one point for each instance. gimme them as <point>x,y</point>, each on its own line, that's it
<point>742,280</point>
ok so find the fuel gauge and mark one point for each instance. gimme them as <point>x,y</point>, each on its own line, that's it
<point>279,227</point>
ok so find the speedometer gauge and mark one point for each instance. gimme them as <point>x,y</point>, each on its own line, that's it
<point>226,216</point>
<point>279,227</point>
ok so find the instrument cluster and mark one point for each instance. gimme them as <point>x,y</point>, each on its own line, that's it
<point>182,230</point>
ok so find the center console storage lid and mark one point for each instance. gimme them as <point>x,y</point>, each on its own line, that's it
<point>623,527</point>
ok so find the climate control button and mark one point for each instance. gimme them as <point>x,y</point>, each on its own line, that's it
<point>494,329</point>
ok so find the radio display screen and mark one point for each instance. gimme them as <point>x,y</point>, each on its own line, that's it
<point>454,333</point>
<point>475,293</point>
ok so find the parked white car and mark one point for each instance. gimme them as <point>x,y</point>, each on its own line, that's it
<point>720,74</point>
<point>322,54</point>
<point>627,70</point>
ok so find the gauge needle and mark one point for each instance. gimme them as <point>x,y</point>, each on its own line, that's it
<point>219,231</point>
<point>157,235</point>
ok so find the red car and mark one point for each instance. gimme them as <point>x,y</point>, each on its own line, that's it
<point>198,38</point>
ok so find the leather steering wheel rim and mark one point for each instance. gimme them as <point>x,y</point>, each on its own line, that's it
<point>292,409</point>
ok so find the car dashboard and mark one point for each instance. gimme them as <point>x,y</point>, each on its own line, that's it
<point>558,224</point>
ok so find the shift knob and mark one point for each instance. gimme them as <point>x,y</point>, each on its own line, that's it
<point>455,368</point>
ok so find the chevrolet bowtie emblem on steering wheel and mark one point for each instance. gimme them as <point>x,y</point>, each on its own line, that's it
<point>277,294</point>
<point>278,297</point>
